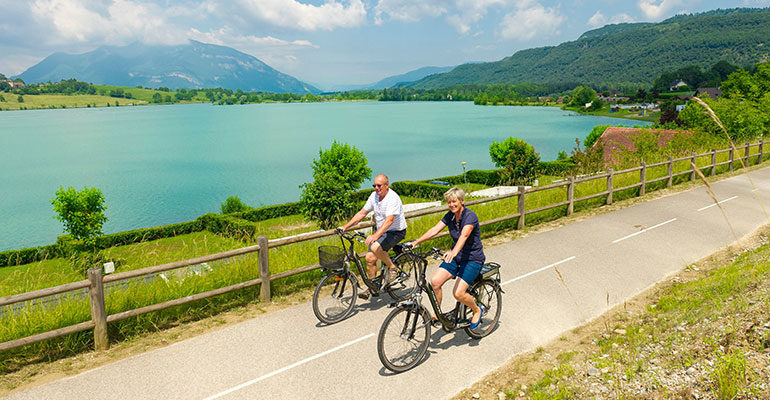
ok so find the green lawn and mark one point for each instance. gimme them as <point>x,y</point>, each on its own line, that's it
<point>44,101</point>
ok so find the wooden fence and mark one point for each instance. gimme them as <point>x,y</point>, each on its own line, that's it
<point>95,282</point>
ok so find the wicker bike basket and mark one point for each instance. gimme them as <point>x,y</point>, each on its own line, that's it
<point>331,257</point>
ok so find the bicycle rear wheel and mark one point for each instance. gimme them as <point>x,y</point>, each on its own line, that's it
<point>333,307</point>
<point>487,295</point>
<point>404,338</point>
<point>406,282</point>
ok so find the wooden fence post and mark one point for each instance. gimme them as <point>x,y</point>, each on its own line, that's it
<point>732,157</point>
<point>713,162</point>
<point>642,178</point>
<point>609,186</point>
<point>521,207</point>
<point>670,171</point>
<point>98,311</point>
<point>264,268</point>
<point>694,166</point>
<point>759,158</point>
<point>571,195</point>
<point>746,154</point>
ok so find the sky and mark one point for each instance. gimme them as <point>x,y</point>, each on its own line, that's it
<point>328,43</point>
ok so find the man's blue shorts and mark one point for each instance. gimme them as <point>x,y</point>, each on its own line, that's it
<point>467,271</point>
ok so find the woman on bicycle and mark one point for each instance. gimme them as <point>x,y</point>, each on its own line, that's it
<point>467,255</point>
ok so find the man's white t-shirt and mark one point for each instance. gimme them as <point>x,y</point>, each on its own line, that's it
<point>390,205</point>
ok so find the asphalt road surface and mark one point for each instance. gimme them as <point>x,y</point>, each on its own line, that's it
<point>289,355</point>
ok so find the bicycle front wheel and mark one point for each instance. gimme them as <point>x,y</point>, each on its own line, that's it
<point>404,338</point>
<point>333,307</point>
<point>406,283</point>
<point>487,295</point>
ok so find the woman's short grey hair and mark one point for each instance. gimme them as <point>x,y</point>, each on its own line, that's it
<point>454,193</point>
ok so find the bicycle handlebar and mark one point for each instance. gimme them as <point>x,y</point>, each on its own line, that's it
<point>350,236</point>
<point>433,252</point>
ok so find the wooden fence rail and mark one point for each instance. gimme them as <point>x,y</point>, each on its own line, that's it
<point>95,282</point>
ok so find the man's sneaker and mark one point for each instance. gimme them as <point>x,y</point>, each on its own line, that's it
<point>391,275</point>
<point>364,295</point>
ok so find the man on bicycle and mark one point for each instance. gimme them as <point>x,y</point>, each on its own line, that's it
<point>391,227</point>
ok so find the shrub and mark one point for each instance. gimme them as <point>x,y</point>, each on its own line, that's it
<point>522,164</point>
<point>233,204</point>
<point>263,213</point>
<point>499,151</point>
<point>25,256</point>
<point>595,133</point>
<point>81,212</point>
<point>556,168</point>
<point>419,189</point>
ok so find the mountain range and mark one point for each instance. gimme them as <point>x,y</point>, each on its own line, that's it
<point>629,54</point>
<point>192,65</point>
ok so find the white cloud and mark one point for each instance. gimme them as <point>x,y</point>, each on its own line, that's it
<point>460,14</point>
<point>408,10</point>
<point>471,11</point>
<point>111,22</point>
<point>294,14</point>
<point>598,19</point>
<point>655,9</point>
<point>530,21</point>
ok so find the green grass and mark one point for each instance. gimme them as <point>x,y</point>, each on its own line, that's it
<point>47,101</point>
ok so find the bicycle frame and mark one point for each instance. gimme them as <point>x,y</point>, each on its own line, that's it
<point>352,257</point>
<point>422,285</point>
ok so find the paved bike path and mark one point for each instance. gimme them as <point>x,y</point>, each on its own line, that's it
<point>287,354</point>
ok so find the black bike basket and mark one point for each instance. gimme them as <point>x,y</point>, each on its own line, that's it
<point>331,257</point>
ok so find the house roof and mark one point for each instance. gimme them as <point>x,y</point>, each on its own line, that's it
<point>616,139</point>
<point>713,92</point>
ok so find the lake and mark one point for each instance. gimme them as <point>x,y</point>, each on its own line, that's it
<point>159,165</point>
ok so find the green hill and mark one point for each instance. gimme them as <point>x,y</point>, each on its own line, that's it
<point>630,55</point>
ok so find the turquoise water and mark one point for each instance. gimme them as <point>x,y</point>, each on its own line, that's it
<point>166,164</point>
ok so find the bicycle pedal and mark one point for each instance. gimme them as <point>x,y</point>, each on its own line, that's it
<point>463,324</point>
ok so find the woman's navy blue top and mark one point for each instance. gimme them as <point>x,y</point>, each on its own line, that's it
<point>472,250</point>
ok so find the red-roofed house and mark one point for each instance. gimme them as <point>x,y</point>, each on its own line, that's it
<point>616,139</point>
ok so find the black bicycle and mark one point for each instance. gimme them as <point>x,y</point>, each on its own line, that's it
<point>343,284</point>
<point>405,333</point>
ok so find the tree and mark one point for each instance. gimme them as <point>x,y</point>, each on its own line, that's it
<point>233,204</point>
<point>499,151</point>
<point>336,173</point>
<point>582,95</point>
<point>81,212</point>
<point>522,163</point>
<point>346,163</point>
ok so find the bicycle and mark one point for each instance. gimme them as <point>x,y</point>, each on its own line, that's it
<point>336,263</point>
<point>405,333</point>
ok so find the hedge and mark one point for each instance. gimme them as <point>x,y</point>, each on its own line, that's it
<point>556,168</point>
<point>263,213</point>
<point>419,189</point>
<point>10,258</point>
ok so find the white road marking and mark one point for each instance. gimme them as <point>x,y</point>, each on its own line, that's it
<point>284,369</point>
<point>715,204</point>
<point>538,270</point>
<point>643,230</point>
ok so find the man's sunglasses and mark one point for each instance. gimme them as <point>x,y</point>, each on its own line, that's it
<point>378,185</point>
